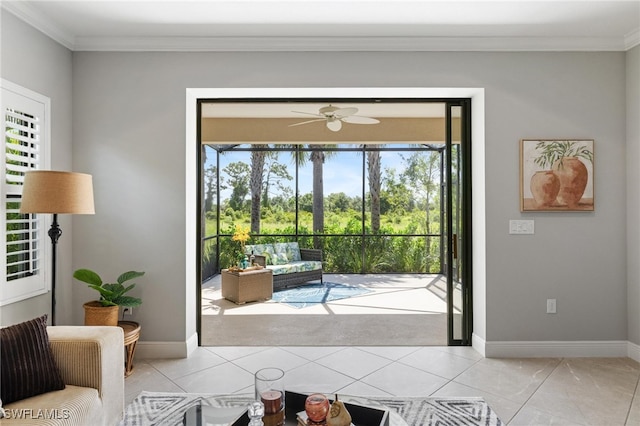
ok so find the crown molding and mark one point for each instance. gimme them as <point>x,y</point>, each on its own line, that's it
<point>41,22</point>
<point>348,44</point>
<point>632,39</point>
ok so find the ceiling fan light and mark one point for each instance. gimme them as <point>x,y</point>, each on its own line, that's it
<point>334,124</point>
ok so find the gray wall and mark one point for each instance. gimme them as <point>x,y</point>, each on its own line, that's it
<point>129,127</point>
<point>34,61</point>
<point>633,191</point>
<point>129,131</point>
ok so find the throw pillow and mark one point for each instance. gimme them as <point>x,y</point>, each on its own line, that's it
<point>28,367</point>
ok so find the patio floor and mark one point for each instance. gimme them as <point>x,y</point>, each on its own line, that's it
<point>402,309</point>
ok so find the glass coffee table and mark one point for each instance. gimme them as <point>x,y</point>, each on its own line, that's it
<point>169,408</point>
<point>231,411</point>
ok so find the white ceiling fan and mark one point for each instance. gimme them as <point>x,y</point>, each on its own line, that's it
<point>334,117</point>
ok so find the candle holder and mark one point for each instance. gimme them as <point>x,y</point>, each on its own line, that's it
<point>317,408</point>
<point>269,388</point>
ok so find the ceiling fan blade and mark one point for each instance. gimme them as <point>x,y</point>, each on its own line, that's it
<point>334,125</point>
<point>343,112</point>
<point>309,113</point>
<point>358,119</point>
<point>306,122</point>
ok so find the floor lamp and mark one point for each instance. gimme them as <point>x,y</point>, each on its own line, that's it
<point>53,192</point>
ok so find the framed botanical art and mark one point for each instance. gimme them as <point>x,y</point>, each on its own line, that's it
<point>556,175</point>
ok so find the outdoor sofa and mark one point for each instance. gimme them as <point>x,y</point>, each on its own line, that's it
<point>291,265</point>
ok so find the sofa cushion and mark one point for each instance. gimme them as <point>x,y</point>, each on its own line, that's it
<point>265,250</point>
<point>291,250</point>
<point>28,367</point>
<point>292,267</point>
<point>73,405</point>
<point>279,259</point>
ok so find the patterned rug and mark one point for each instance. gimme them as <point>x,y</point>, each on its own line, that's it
<point>312,294</point>
<point>167,409</point>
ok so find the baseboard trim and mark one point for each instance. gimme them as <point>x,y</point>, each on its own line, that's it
<point>523,349</point>
<point>167,349</point>
<point>479,344</point>
<point>540,349</point>
<point>633,351</point>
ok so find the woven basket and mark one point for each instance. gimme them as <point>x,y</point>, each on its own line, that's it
<point>96,314</point>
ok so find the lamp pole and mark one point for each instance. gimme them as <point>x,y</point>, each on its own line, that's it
<point>54,233</point>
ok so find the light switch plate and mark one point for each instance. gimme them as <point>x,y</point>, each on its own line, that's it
<point>521,227</point>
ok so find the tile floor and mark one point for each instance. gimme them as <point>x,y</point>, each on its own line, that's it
<point>413,304</point>
<point>392,294</point>
<point>540,391</point>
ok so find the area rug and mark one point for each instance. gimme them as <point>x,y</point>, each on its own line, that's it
<point>312,294</point>
<point>159,408</point>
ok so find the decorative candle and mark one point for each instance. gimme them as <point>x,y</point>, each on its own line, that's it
<point>316,407</point>
<point>272,400</point>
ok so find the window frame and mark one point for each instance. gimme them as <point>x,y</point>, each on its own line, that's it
<point>27,101</point>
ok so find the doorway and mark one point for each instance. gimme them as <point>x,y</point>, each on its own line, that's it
<point>457,246</point>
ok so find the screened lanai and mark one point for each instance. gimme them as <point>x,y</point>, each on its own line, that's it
<point>371,202</point>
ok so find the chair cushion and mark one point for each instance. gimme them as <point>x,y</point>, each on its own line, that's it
<point>27,367</point>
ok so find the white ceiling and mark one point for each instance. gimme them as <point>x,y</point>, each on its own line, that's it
<point>311,25</point>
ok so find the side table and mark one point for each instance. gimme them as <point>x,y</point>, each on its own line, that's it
<point>247,286</point>
<point>131,334</point>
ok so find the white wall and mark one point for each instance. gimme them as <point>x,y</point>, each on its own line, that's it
<point>34,61</point>
<point>129,127</point>
<point>633,191</point>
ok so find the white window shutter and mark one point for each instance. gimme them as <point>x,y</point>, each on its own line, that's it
<point>24,251</point>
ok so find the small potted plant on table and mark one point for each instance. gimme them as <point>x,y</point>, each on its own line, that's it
<point>112,295</point>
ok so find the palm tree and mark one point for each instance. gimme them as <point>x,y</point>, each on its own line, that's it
<point>255,183</point>
<point>317,158</point>
<point>373,170</point>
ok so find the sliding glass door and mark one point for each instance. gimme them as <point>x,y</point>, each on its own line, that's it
<point>457,206</point>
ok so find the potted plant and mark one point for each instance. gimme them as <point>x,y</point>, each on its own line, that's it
<point>241,235</point>
<point>112,295</point>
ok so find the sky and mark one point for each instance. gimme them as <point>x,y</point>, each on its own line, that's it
<point>342,171</point>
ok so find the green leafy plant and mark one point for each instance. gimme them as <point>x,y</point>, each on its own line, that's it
<point>111,294</point>
<point>550,152</point>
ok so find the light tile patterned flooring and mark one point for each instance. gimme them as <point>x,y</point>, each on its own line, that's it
<point>540,391</point>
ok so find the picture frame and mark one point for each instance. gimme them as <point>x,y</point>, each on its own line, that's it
<point>556,175</point>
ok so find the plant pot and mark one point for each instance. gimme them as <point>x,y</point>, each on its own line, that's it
<point>96,314</point>
<point>573,175</point>
<point>545,187</point>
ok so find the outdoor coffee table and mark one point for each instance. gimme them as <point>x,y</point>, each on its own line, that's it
<point>247,286</point>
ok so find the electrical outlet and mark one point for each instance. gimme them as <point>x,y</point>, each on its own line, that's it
<point>551,306</point>
<point>127,311</point>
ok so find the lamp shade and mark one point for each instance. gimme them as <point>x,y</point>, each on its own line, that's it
<point>47,191</point>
